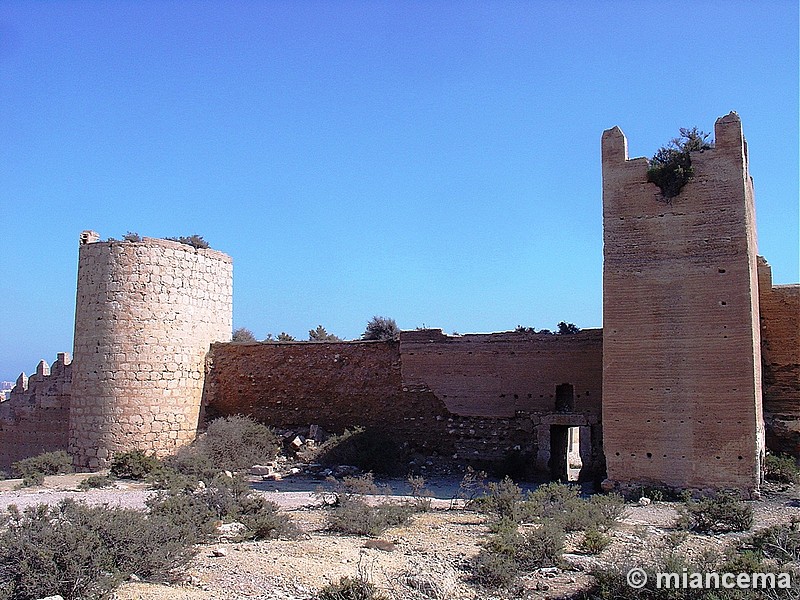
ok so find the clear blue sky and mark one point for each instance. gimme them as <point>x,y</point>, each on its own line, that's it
<point>435,162</point>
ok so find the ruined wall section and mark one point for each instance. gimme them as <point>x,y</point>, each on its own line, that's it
<point>146,315</point>
<point>35,418</point>
<point>681,348</point>
<point>408,390</point>
<point>780,353</point>
<point>544,383</point>
<point>336,385</point>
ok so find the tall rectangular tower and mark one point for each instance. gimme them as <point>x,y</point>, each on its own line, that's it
<point>681,346</point>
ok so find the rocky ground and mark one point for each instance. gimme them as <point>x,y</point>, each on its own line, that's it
<point>430,555</point>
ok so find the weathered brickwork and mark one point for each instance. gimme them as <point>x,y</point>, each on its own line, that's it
<point>35,417</point>
<point>681,339</point>
<point>780,353</point>
<point>450,395</point>
<point>146,315</point>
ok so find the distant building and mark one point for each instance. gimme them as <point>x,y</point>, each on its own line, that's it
<point>5,389</point>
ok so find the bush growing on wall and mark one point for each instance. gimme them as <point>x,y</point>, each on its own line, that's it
<point>381,328</point>
<point>321,335</point>
<point>671,167</point>
<point>194,240</point>
<point>243,335</point>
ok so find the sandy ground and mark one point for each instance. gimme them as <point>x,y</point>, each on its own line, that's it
<point>433,550</point>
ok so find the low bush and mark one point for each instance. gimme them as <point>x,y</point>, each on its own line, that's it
<point>350,512</point>
<point>351,588</point>
<point>356,516</point>
<point>594,542</point>
<point>223,499</point>
<point>611,582</point>
<point>265,521</point>
<point>32,479</point>
<point>542,547</point>
<point>722,513</point>
<point>96,481</point>
<point>781,469</point>
<point>472,487</point>
<point>188,511</point>
<point>561,504</point>
<point>421,495</point>
<point>188,463</point>
<point>78,551</point>
<point>47,463</point>
<point>134,464</point>
<point>235,443</point>
<point>508,553</point>
<point>502,500</point>
<point>779,542</point>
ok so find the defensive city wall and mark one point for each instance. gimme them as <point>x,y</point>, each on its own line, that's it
<point>695,374</point>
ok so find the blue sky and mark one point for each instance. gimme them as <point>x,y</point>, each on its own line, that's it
<point>435,162</point>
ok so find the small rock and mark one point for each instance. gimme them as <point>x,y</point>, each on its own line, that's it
<point>230,530</point>
<point>134,577</point>
<point>608,485</point>
<point>644,501</point>
<point>56,597</point>
<point>296,443</point>
<point>294,470</point>
<point>271,477</point>
<point>261,470</point>
<point>218,552</point>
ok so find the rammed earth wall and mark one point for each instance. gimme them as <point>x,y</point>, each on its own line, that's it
<point>780,353</point>
<point>681,335</point>
<point>146,315</point>
<point>478,397</point>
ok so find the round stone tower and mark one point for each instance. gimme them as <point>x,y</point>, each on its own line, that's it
<point>145,316</point>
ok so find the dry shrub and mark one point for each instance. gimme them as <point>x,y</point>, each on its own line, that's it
<point>80,551</point>
<point>47,463</point>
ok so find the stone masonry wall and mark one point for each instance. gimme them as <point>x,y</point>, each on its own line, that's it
<point>681,342</point>
<point>780,352</point>
<point>146,315</point>
<point>35,418</point>
<point>406,389</point>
